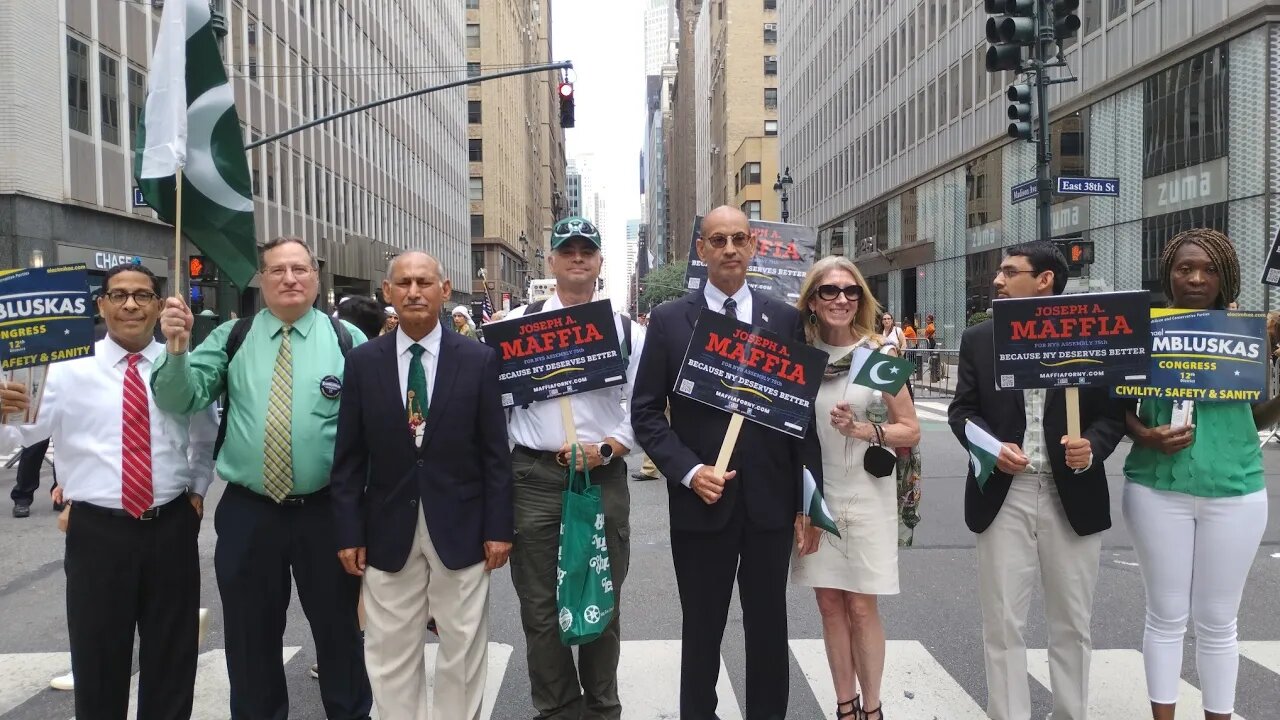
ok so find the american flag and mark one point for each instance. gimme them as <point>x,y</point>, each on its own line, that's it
<point>486,309</point>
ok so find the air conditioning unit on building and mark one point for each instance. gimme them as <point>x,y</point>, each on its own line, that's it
<point>771,26</point>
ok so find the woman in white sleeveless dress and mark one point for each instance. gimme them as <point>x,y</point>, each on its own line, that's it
<point>849,572</point>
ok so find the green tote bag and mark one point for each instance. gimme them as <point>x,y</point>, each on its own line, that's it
<point>584,589</point>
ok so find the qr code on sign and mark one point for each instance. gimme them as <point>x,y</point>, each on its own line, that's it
<point>686,386</point>
<point>694,283</point>
<point>1273,276</point>
<point>508,400</point>
<point>1006,381</point>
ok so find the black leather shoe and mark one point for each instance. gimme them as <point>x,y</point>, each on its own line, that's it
<point>21,510</point>
<point>637,475</point>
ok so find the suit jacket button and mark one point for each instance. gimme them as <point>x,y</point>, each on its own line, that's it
<point>419,463</point>
<point>413,502</point>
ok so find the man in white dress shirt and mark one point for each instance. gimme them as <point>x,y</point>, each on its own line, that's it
<point>131,561</point>
<point>561,690</point>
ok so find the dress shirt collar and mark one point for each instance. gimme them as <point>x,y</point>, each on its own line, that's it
<point>274,325</point>
<point>430,343</point>
<point>113,354</point>
<point>716,297</point>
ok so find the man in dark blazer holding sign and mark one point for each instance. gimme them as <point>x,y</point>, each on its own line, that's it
<point>1042,509</point>
<point>740,523</point>
<point>422,497</point>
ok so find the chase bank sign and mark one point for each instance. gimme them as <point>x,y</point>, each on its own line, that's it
<point>108,260</point>
<point>98,259</point>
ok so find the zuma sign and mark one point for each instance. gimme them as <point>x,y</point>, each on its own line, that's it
<point>784,253</point>
<point>1072,340</point>
<point>557,353</point>
<point>1205,356</point>
<point>752,372</point>
<point>45,316</point>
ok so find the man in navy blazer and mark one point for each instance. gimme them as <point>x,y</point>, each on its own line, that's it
<point>737,525</point>
<point>422,490</point>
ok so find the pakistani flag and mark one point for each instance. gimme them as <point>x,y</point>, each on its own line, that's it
<point>190,123</point>
<point>983,451</point>
<point>882,372</point>
<point>816,507</point>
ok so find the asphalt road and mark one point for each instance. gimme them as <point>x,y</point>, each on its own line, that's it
<point>934,625</point>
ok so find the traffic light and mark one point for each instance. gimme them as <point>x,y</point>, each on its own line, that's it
<point>1066,23</point>
<point>1019,111</point>
<point>199,268</point>
<point>565,92</point>
<point>1077,252</point>
<point>1012,27</point>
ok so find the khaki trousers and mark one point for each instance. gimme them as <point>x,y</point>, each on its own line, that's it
<point>1031,534</point>
<point>397,606</point>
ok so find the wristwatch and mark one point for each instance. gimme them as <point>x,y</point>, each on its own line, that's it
<point>606,453</point>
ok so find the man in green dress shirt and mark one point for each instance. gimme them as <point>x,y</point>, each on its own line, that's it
<point>282,386</point>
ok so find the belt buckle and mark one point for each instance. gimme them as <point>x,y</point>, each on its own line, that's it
<point>293,501</point>
<point>149,514</point>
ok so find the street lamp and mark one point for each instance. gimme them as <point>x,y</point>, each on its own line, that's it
<point>784,182</point>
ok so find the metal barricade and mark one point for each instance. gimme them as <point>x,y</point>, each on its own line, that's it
<point>935,373</point>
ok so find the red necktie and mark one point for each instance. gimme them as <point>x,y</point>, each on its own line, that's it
<point>136,493</point>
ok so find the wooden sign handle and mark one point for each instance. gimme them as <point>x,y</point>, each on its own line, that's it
<point>566,416</point>
<point>730,440</point>
<point>1073,413</point>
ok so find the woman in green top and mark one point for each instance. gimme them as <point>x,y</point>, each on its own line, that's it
<point>1195,500</point>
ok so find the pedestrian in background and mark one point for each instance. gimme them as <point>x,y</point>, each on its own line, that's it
<point>1196,501</point>
<point>849,572</point>
<point>462,323</point>
<point>587,689</point>
<point>892,335</point>
<point>1043,509</point>
<point>136,476</point>
<point>363,312</point>
<point>281,370</point>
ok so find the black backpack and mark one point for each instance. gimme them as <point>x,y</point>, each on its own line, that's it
<point>235,339</point>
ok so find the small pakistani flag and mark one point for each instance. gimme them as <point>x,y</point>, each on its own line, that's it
<point>983,451</point>
<point>882,372</point>
<point>190,123</point>
<point>816,507</point>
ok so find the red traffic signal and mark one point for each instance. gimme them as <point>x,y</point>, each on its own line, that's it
<point>195,267</point>
<point>565,91</point>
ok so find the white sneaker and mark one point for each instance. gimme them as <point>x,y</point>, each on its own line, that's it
<point>314,672</point>
<point>63,682</point>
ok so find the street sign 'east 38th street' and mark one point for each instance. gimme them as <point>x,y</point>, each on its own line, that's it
<point>1088,186</point>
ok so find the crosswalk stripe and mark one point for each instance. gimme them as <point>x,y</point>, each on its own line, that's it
<point>1266,654</point>
<point>213,687</point>
<point>1118,686</point>
<point>933,405</point>
<point>25,674</point>
<point>649,682</point>
<point>909,667</point>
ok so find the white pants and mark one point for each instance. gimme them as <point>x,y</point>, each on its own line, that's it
<point>1195,554</point>
<point>1032,533</point>
<point>397,606</point>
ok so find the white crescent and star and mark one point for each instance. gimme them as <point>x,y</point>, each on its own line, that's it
<point>201,170</point>
<point>874,373</point>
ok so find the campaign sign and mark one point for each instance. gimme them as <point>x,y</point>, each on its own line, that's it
<point>1205,356</point>
<point>784,254</point>
<point>752,372</point>
<point>45,316</point>
<point>1098,339</point>
<point>557,353</point>
<point>1271,268</point>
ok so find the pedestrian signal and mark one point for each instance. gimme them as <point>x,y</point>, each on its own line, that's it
<point>199,268</point>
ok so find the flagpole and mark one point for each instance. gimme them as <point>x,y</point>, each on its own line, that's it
<point>177,247</point>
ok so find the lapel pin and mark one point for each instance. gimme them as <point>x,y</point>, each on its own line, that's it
<point>764,317</point>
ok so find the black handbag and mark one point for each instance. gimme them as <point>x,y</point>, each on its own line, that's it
<point>879,460</point>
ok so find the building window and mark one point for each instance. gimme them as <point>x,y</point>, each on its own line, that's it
<point>1157,231</point>
<point>477,262</point>
<point>770,64</point>
<point>909,235</point>
<point>752,209</point>
<point>475,150</point>
<point>1090,16</point>
<point>983,183</point>
<point>771,33</point>
<point>770,4</point>
<point>137,99</point>
<point>749,174</point>
<point>1185,114</point>
<point>871,229</point>
<point>476,190</point>
<point>1118,8</point>
<point>771,98</point>
<point>473,70</point>
<point>1069,149</point>
<point>473,112</point>
<point>473,4</point>
<point>77,85</point>
<point>477,231</point>
<point>109,91</point>
<point>770,128</point>
<point>473,35</point>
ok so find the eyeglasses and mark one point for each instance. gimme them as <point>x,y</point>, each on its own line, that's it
<point>1013,272</point>
<point>120,297</point>
<point>718,240</point>
<point>831,292</point>
<point>301,272</point>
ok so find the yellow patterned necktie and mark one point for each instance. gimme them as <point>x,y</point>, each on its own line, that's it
<point>277,477</point>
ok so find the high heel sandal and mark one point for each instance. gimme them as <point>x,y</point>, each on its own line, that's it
<point>866,714</point>
<point>853,712</point>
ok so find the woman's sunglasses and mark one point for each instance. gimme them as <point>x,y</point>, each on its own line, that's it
<point>829,292</point>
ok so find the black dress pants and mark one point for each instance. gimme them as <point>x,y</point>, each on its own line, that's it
<point>259,544</point>
<point>28,480</point>
<point>125,574</point>
<point>706,565</point>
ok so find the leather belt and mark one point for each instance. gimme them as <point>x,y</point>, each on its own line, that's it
<point>287,501</point>
<point>149,514</point>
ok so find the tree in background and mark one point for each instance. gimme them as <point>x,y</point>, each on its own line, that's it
<point>663,283</point>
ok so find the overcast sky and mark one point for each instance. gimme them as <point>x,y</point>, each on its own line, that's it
<point>605,41</point>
